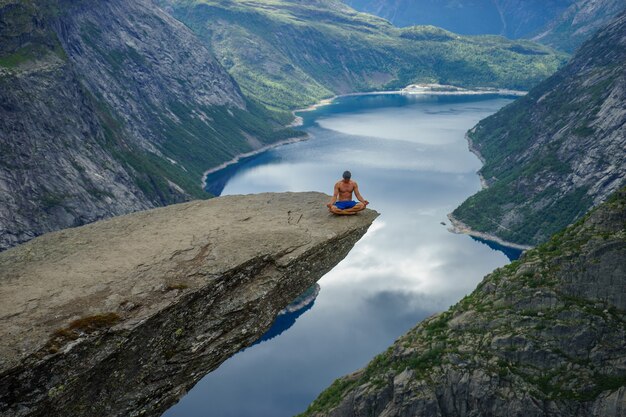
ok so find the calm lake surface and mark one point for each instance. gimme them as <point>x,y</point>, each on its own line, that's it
<point>410,159</point>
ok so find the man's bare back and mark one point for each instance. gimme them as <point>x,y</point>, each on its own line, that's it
<point>342,203</point>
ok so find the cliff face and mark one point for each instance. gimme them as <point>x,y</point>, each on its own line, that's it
<point>543,336</point>
<point>106,108</point>
<point>55,168</point>
<point>577,23</point>
<point>121,317</point>
<point>290,53</point>
<point>556,152</point>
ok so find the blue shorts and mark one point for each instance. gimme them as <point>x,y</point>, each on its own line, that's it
<point>343,205</point>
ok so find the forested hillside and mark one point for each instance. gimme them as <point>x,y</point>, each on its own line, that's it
<point>556,152</point>
<point>290,53</point>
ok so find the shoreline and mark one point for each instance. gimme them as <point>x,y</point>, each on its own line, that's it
<point>448,90</point>
<point>457,226</point>
<point>239,157</point>
<point>298,120</point>
<point>413,89</point>
<point>470,144</point>
<point>461,228</point>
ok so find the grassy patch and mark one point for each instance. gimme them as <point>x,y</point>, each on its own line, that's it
<point>94,323</point>
<point>84,325</point>
<point>529,159</point>
<point>176,286</point>
<point>331,397</point>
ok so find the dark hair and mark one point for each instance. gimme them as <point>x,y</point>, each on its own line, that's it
<point>347,175</point>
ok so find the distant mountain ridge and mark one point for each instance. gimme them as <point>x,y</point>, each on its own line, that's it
<point>510,18</point>
<point>556,152</point>
<point>563,24</point>
<point>290,53</point>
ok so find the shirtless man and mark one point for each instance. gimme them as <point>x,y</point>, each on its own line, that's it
<point>342,202</point>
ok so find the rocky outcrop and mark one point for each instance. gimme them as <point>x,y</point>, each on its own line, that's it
<point>110,107</point>
<point>542,336</point>
<point>556,152</point>
<point>121,317</point>
<point>578,23</point>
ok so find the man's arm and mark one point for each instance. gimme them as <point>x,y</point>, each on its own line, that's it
<point>358,195</point>
<point>335,195</point>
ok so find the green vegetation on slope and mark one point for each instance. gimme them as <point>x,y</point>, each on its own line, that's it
<point>128,107</point>
<point>545,329</point>
<point>555,152</point>
<point>24,39</point>
<point>23,55</point>
<point>290,54</point>
<point>189,147</point>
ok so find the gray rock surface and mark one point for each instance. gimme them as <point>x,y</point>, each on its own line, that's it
<point>110,107</point>
<point>577,23</point>
<point>140,46</point>
<point>55,167</point>
<point>121,317</point>
<point>542,336</point>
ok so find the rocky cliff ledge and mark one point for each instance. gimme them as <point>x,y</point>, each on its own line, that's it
<point>542,336</point>
<point>123,316</point>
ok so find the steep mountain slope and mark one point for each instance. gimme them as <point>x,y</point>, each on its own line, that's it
<point>577,23</point>
<point>543,336</point>
<point>563,24</point>
<point>290,53</point>
<point>54,167</point>
<point>554,153</point>
<point>109,107</point>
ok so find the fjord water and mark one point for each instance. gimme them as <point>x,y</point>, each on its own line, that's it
<point>410,159</point>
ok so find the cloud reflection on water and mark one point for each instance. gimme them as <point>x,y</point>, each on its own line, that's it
<point>435,124</point>
<point>411,161</point>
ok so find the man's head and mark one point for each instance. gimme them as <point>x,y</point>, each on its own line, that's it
<point>347,175</point>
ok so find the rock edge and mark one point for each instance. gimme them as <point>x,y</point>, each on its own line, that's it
<point>122,317</point>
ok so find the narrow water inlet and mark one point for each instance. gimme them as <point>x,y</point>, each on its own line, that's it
<point>411,161</point>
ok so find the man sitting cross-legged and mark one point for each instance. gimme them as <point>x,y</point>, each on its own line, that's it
<point>342,202</point>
